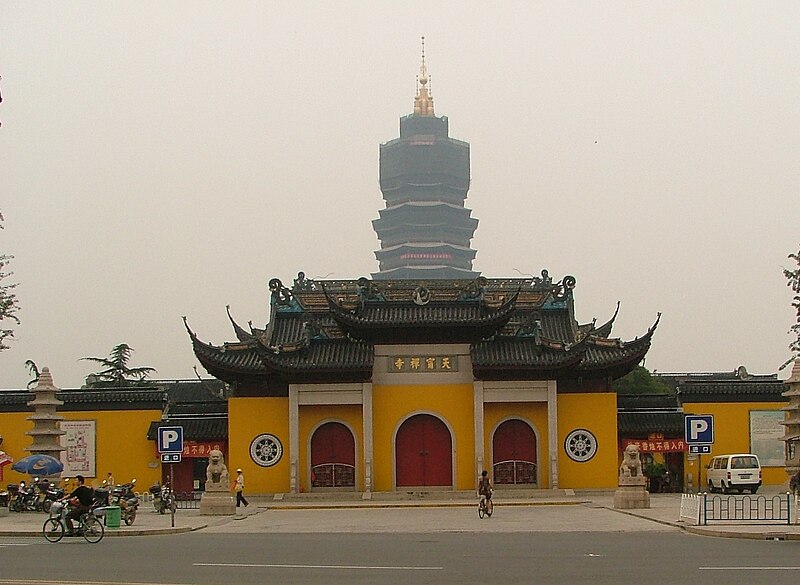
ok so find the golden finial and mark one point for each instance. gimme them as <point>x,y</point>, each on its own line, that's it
<point>423,101</point>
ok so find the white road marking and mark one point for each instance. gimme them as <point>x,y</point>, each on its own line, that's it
<point>275,566</point>
<point>749,568</point>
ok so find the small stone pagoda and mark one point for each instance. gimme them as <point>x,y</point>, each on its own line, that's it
<point>791,421</point>
<point>46,429</point>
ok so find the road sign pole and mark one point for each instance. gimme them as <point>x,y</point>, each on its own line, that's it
<point>699,472</point>
<point>172,492</point>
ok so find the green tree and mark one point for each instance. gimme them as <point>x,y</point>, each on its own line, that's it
<point>34,371</point>
<point>116,371</point>
<point>8,300</point>
<point>793,278</point>
<point>639,381</point>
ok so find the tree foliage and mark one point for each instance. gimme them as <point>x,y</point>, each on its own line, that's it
<point>116,371</point>
<point>8,300</point>
<point>639,381</point>
<point>34,371</point>
<point>793,281</point>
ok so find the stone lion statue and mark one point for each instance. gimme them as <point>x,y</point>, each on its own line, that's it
<point>217,472</point>
<point>631,463</point>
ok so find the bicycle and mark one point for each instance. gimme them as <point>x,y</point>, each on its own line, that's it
<point>89,526</point>
<point>485,507</point>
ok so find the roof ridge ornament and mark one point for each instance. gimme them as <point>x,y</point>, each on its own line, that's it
<point>545,278</point>
<point>368,291</point>
<point>475,289</point>
<point>563,288</point>
<point>303,283</point>
<point>282,298</point>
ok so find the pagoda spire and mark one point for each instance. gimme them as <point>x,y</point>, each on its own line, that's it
<point>423,101</point>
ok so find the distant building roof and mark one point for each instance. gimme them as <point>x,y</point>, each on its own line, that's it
<point>734,386</point>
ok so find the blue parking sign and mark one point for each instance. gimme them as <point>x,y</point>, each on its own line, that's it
<point>699,429</point>
<point>170,439</point>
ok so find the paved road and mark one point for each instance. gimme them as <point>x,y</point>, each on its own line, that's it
<point>565,540</point>
<point>463,558</point>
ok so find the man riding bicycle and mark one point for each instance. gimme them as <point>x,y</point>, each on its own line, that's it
<point>80,500</point>
<point>485,487</point>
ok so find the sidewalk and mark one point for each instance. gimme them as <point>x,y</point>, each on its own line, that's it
<point>544,511</point>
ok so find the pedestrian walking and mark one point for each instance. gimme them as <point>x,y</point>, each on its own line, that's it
<point>239,487</point>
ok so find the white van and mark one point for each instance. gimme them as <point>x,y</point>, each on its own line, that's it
<point>737,472</point>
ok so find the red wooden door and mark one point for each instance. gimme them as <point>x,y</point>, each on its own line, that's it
<point>424,453</point>
<point>333,456</point>
<point>514,453</point>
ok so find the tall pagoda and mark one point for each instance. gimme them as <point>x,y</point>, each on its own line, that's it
<point>425,229</point>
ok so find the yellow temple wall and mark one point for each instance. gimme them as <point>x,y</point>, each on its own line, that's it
<point>13,426</point>
<point>248,418</point>
<point>597,413</point>
<point>731,435</point>
<point>121,444</point>
<point>392,404</point>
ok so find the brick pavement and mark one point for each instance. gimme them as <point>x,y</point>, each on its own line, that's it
<point>551,511</point>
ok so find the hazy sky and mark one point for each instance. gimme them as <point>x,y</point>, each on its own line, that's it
<point>160,159</point>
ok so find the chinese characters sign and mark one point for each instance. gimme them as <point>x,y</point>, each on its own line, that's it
<point>201,449</point>
<point>423,363</point>
<point>79,442</point>
<point>657,445</point>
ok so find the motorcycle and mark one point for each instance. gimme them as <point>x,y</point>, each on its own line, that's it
<point>127,500</point>
<point>163,498</point>
<point>52,495</point>
<point>101,496</point>
<point>14,504</point>
<point>23,498</point>
<point>27,498</point>
<point>48,493</point>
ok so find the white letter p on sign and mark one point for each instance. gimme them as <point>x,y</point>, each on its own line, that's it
<point>697,427</point>
<point>169,437</point>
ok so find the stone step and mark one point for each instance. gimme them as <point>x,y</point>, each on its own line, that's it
<point>501,493</point>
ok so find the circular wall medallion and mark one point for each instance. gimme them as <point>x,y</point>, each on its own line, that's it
<point>266,450</point>
<point>580,445</point>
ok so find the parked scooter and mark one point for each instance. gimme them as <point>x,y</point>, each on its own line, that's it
<point>49,493</point>
<point>14,502</point>
<point>163,498</point>
<point>26,498</point>
<point>124,497</point>
<point>102,496</point>
<point>53,495</point>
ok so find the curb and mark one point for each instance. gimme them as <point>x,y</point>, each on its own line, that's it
<point>700,531</point>
<point>113,534</point>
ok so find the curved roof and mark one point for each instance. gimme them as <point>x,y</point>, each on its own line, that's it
<point>516,328</point>
<point>418,322</point>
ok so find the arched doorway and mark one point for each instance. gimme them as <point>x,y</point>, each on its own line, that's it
<point>333,457</point>
<point>424,453</point>
<point>514,453</point>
